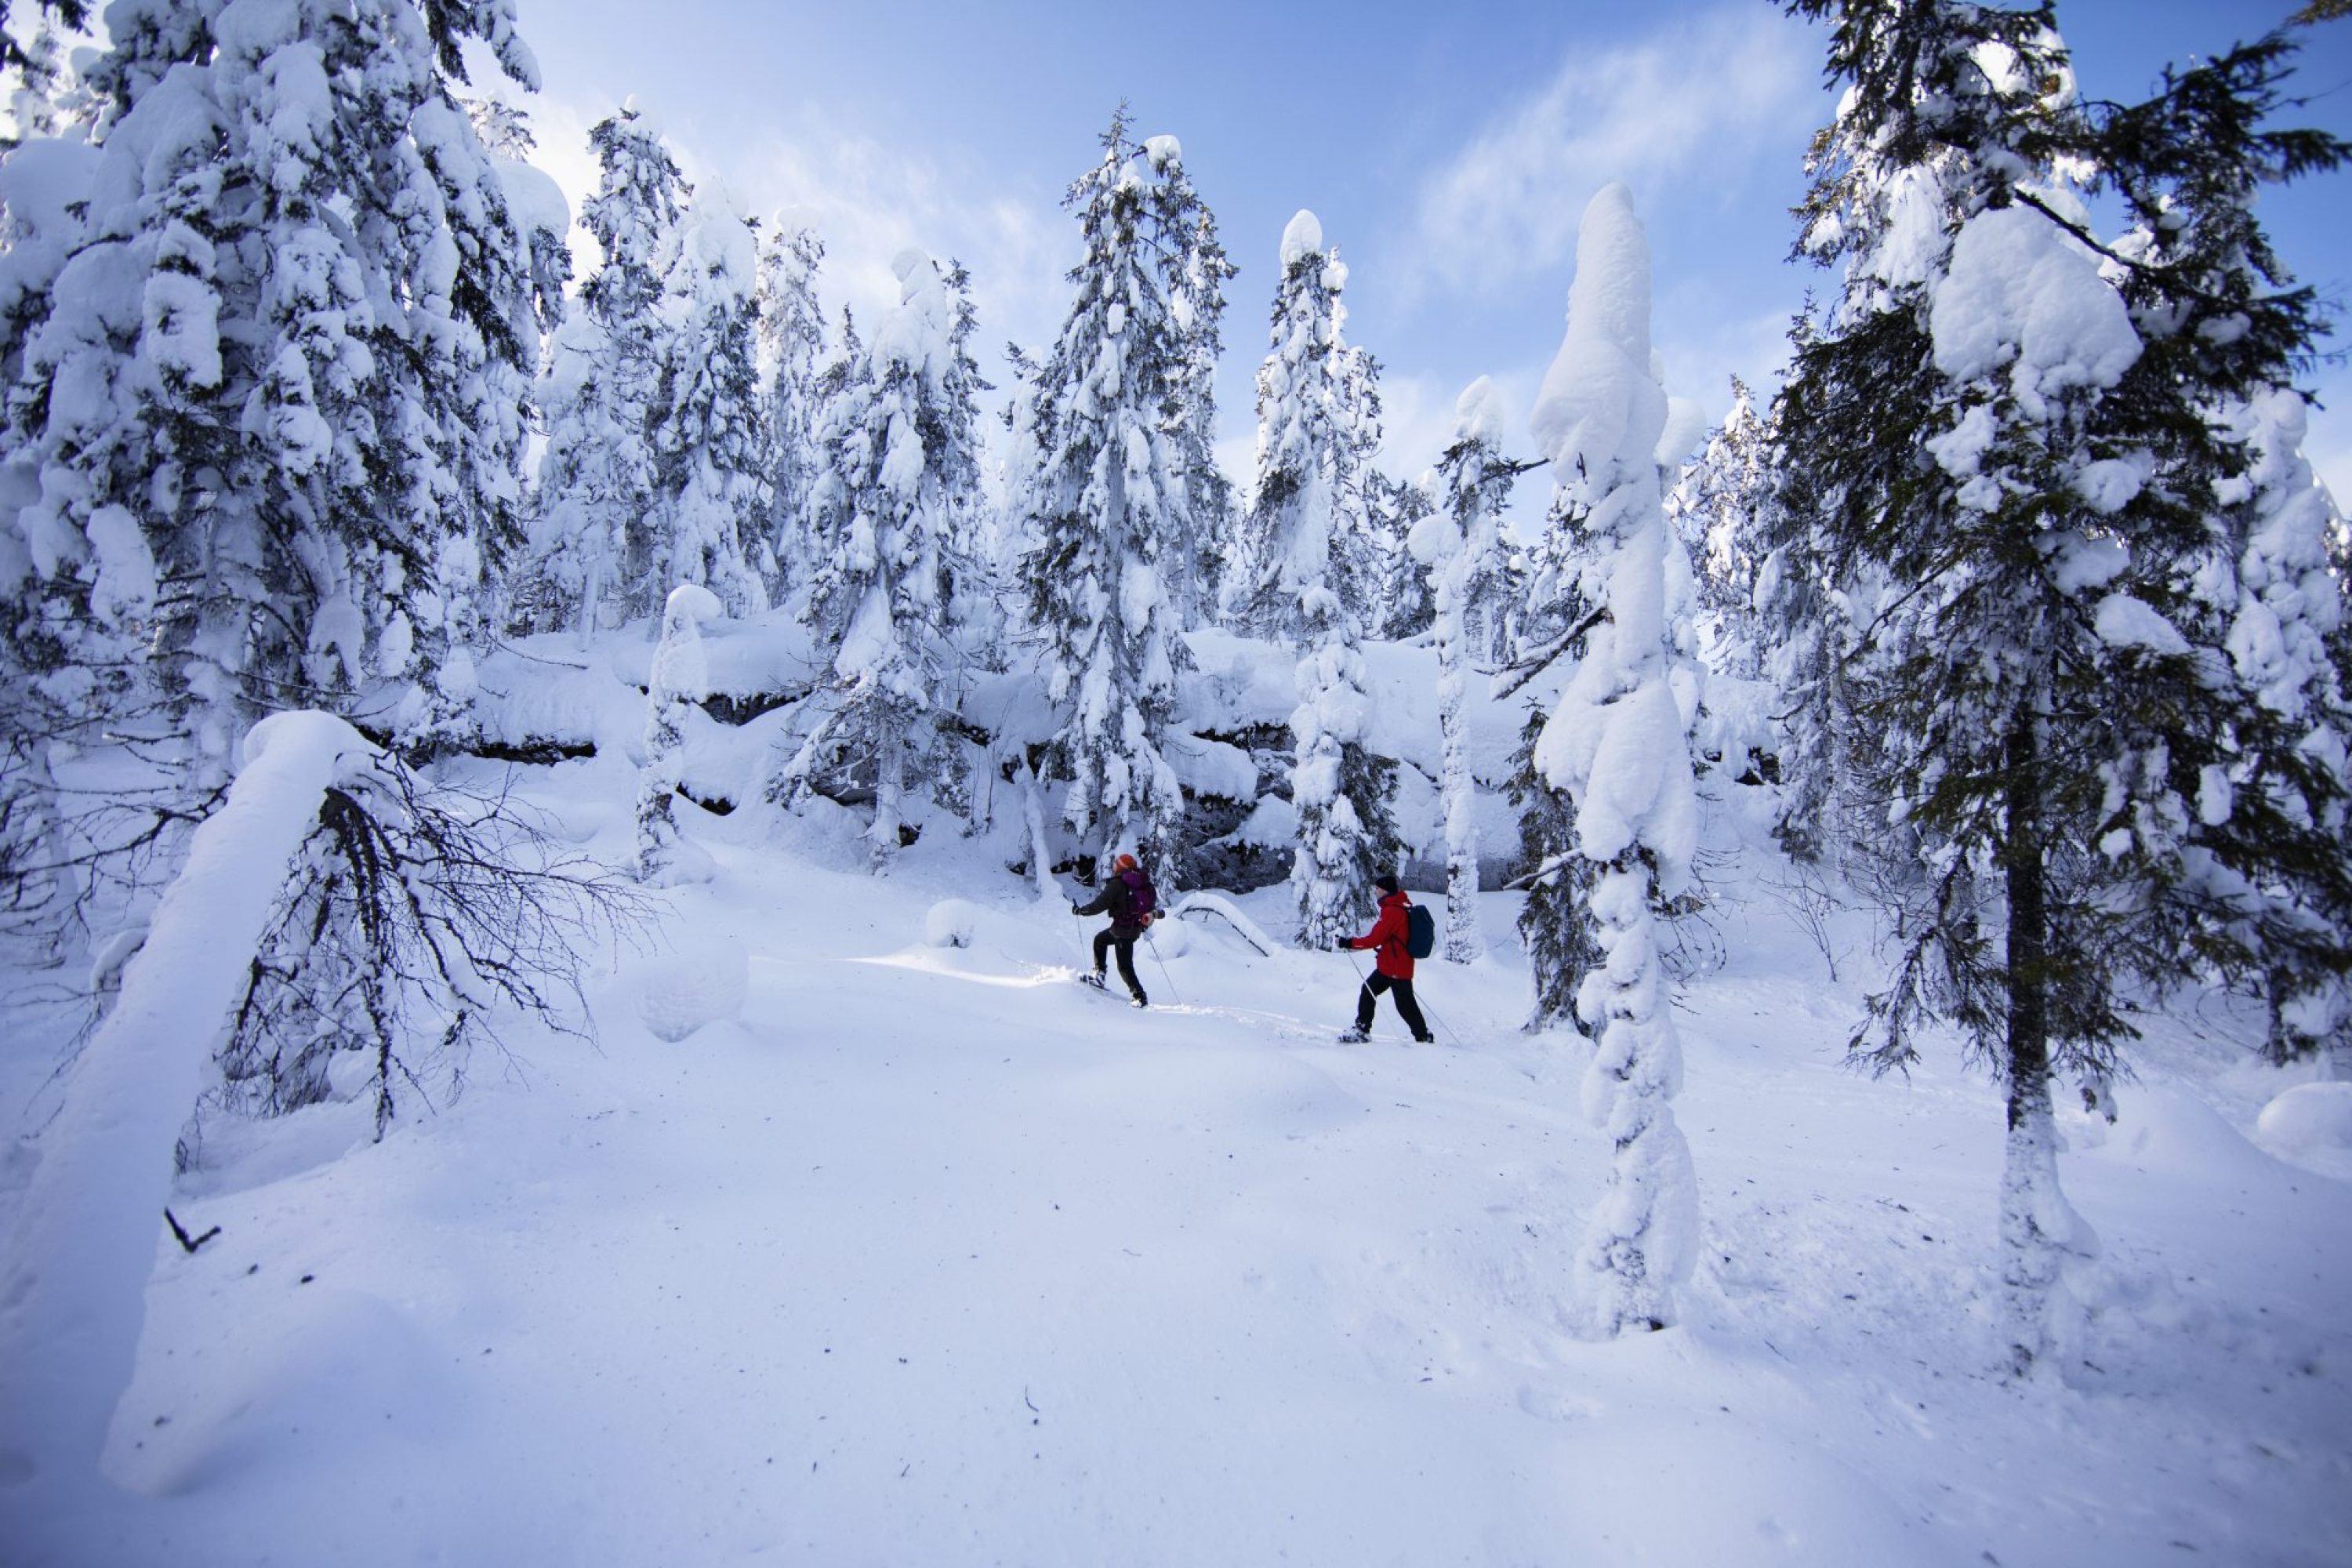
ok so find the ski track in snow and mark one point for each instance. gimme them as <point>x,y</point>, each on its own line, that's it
<point>927,1256</point>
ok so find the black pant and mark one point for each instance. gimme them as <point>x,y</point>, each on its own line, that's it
<point>1111,936</point>
<point>1407,1009</point>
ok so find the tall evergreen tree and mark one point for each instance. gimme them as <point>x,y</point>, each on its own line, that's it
<point>592,544</point>
<point>1316,425</point>
<point>1464,550</point>
<point>709,522</point>
<point>791,339</point>
<point>1404,603</point>
<point>1717,508</point>
<point>1100,510</point>
<point>274,403</point>
<point>1195,269</point>
<point>901,473</point>
<point>1318,420</point>
<point>2012,430</point>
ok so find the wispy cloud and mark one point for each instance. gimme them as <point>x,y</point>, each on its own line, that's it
<point>1703,100</point>
<point>865,201</point>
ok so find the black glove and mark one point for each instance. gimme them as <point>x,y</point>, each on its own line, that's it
<point>1341,945</point>
<point>1075,910</point>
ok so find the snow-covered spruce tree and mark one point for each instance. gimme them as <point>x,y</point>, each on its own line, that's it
<point>1555,926</point>
<point>1463,547</point>
<point>37,72</point>
<point>1317,421</point>
<point>1405,603</point>
<point>2249,824</point>
<point>1717,510</point>
<point>968,553</point>
<point>709,520</point>
<point>1616,744</point>
<point>679,681</point>
<point>1194,269</point>
<point>1315,430</point>
<point>2023,480</point>
<point>591,551</point>
<point>275,397</point>
<point>1099,512</point>
<point>1804,634</point>
<point>900,472</point>
<point>791,337</point>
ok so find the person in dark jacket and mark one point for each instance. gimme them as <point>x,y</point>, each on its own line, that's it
<point>1391,964</point>
<point>1117,899</point>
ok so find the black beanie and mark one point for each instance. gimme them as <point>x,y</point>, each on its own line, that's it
<point>1386,883</point>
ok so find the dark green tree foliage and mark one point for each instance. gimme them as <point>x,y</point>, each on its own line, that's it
<point>2014,523</point>
<point>1552,923</point>
<point>1403,601</point>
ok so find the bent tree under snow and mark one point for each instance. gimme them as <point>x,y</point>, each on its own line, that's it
<point>1616,744</point>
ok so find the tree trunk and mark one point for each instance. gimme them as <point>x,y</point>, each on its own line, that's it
<point>2038,1228</point>
<point>889,788</point>
<point>1464,941</point>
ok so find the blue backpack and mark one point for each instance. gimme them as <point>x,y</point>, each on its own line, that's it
<point>1420,932</point>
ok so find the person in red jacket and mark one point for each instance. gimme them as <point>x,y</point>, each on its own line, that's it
<point>1391,964</point>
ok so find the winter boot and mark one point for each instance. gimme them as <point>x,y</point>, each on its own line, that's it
<point>1095,979</point>
<point>1139,1000</point>
<point>1425,1039</point>
<point>1353,1036</point>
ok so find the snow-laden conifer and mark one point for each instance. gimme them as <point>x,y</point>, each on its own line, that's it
<point>709,518</point>
<point>592,551</point>
<point>1099,512</point>
<point>1463,547</point>
<point>900,476</point>
<point>1195,269</point>
<point>1318,421</point>
<point>1616,743</point>
<point>1404,602</point>
<point>282,375</point>
<point>1716,510</point>
<point>791,339</point>
<point>2016,435</point>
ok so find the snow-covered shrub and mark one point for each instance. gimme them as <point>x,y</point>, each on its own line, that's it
<point>681,992</point>
<point>951,922</point>
<point>2309,1119</point>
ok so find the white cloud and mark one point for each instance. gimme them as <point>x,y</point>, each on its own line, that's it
<point>1703,100</point>
<point>867,203</point>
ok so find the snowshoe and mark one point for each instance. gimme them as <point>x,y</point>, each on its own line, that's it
<point>1094,980</point>
<point>1351,1035</point>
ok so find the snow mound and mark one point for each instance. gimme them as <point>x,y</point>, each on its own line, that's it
<point>951,922</point>
<point>2310,1124</point>
<point>1770,1499</point>
<point>680,994</point>
<point>2168,1131</point>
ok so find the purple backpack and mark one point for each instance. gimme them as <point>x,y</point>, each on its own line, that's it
<point>1141,900</point>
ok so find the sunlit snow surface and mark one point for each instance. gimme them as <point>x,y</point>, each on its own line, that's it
<point>925,1254</point>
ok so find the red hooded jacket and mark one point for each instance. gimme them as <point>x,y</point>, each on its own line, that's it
<point>1394,959</point>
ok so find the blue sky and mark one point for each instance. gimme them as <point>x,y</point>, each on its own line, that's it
<point>1447,150</point>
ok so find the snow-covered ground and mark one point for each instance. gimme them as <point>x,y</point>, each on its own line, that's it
<point>925,1254</point>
